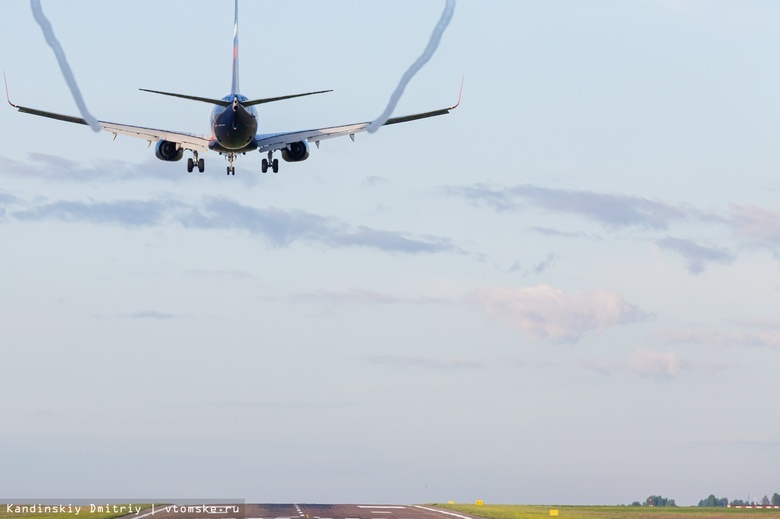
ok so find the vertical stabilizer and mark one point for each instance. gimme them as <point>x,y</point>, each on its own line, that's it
<point>234,88</point>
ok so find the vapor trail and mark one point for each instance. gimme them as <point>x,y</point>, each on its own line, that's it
<point>48,33</point>
<point>433,44</point>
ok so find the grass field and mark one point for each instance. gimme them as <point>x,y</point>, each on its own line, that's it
<point>607,512</point>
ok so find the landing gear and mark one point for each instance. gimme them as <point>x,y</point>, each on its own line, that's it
<point>231,170</point>
<point>195,163</point>
<point>270,161</point>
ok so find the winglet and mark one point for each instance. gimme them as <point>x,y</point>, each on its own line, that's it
<point>460,95</point>
<point>7,97</point>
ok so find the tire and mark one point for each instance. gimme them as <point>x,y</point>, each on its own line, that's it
<point>201,165</point>
<point>190,165</point>
<point>264,166</point>
<point>276,166</point>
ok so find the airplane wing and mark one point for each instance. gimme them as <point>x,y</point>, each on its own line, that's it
<point>278,141</point>
<point>187,141</point>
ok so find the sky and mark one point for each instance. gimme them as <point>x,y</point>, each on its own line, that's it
<point>565,292</point>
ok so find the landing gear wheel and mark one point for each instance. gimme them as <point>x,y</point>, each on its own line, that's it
<point>264,166</point>
<point>201,166</point>
<point>190,165</point>
<point>275,165</point>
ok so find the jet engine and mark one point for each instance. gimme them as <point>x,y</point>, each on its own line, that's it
<point>168,151</point>
<point>296,152</point>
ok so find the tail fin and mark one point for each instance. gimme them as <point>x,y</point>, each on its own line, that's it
<point>234,88</point>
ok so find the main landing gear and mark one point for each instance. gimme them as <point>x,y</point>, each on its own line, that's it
<point>270,161</point>
<point>195,163</point>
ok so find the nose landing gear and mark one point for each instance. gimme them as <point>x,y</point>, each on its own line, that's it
<point>231,170</point>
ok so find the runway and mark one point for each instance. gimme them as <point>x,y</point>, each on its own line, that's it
<point>316,511</point>
<point>295,511</point>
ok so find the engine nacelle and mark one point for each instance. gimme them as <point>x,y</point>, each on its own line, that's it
<point>168,151</point>
<point>296,152</point>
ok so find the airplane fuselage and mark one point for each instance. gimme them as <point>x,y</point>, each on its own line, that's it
<point>234,127</point>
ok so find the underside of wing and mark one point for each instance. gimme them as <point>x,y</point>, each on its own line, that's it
<point>277,141</point>
<point>184,140</point>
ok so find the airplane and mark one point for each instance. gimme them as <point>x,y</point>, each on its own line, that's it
<point>234,126</point>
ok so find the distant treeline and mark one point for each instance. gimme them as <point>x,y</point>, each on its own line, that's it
<point>655,501</point>
<point>710,501</point>
<point>723,501</point>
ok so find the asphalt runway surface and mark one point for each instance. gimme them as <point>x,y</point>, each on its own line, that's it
<point>303,511</point>
<point>314,511</point>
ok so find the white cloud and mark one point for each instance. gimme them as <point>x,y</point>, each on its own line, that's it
<point>654,364</point>
<point>542,312</point>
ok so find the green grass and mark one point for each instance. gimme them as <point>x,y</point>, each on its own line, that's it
<point>605,512</point>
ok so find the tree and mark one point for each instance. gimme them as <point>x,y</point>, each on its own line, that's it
<point>776,499</point>
<point>739,502</point>
<point>711,501</point>
<point>636,503</point>
<point>659,501</point>
<point>765,500</point>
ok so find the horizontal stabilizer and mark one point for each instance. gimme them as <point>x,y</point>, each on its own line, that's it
<point>282,98</point>
<point>219,102</point>
<point>222,102</point>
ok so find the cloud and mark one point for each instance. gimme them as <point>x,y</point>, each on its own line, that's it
<point>612,210</point>
<point>599,365</point>
<point>654,364</point>
<point>545,313</point>
<point>401,361</point>
<point>6,198</point>
<point>283,228</point>
<point>547,231</point>
<point>647,364</point>
<point>757,337</point>
<point>696,255</point>
<point>45,167</point>
<point>757,225</point>
<point>539,268</point>
<point>548,262</point>
<point>130,213</point>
